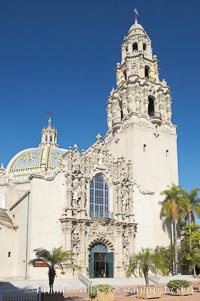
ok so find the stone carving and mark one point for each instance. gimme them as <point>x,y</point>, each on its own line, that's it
<point>109,230</point>
<point>76,240</point>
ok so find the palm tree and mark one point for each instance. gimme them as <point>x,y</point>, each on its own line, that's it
<point>194,205</point>
<point>54,259</point>
<point>174,208</point>
<point>144,261</point>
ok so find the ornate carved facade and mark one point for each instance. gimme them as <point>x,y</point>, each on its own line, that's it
<point>116,229</point>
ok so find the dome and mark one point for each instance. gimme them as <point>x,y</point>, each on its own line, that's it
<point>42,158</point>
<point>136,29</point>
<point>33,160</point>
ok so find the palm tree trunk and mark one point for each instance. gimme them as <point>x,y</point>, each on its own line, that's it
<point>172,246</point>
<point>175,247</point>
<point>146,277</point>
<point>52,274</point>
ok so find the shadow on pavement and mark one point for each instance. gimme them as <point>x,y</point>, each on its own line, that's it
<point>75,298</point>
<point>4,285</point>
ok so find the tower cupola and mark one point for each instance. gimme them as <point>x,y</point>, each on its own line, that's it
<point>49,136</point>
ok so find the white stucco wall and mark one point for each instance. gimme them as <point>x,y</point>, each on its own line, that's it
<point>47,200</point>
<point>153,171</point>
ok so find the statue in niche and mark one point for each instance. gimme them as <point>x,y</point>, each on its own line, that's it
<point>76,241</point>
<point>125,239</point>
<point>125,255</point>
<point>124,170</point>
<point>124,198</point>
<point>76,191</point>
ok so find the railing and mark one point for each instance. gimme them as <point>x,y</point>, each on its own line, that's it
<point>155,114</point>
<point>84,280</point>
<point>20,295</point>
<point>99,214</point>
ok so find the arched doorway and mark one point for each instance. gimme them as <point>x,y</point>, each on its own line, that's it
<point>101,262</point>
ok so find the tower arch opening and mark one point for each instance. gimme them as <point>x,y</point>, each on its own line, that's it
<point>151,106</point>
<point>125,74</point>
<point>144,46</point>
<point>135,47</point>
<point>146,71</point>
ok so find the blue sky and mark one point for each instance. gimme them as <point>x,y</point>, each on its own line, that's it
<point>60,56</point>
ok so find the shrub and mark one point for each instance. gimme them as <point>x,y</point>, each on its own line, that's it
<point>94,289</point>
<point>175,285</point>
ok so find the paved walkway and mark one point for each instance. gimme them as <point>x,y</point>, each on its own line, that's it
<point>74,290</point>
<point>122,295</point>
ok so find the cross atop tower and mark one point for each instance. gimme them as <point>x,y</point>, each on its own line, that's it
<point>136,15</point>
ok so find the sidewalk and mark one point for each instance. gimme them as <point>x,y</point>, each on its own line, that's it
<point>121,295</point>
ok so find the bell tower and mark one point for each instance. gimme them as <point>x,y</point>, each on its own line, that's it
<point>141,130</point>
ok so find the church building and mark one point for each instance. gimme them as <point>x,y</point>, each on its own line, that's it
<point>102,203</point>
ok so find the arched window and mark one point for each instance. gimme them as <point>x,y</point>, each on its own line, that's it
<point>144,46</point>
<point>126,48</point>
<point>51,138</point>
<point>151,110</point>
<point>98,197</point>
<point>135,47</point>
<point>125,75</point>
<point>46,138</point>
<point>146,71</point>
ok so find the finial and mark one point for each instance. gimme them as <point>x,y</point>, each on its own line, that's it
<point>75,147</point>
<point>49,123</point>
<point>98,137</point>
<point>136,15</point>
<point>112,91</point>
<point>49,120</point>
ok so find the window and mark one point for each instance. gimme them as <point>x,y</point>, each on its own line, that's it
<point>151,111</point>
<point>135,47</point>
<point>98,197</point>
<point>144,147</point>
<point>167,152</point>
<point>144,46</point>
<point>125,75</point>
<point>51,139</point>
<point>46,138</point>
<point>146,71</point>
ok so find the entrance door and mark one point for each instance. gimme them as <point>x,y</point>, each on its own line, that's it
<point>100,268</point>
<point>101,262</point>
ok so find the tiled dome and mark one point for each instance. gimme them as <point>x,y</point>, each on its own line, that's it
<point>44,157</point>
<point>33,159</point>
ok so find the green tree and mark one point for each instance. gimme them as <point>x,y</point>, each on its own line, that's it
<point>143,262</point>
<point>175,207</point>
<point>194,204</point>
<point>164,259</point>
<point>54,259</point>
<point>189,253</point>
